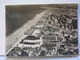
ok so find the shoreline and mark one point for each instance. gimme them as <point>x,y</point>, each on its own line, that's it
<point>12,39</point>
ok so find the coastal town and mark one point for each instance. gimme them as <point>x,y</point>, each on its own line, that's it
<point>54,34</point>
